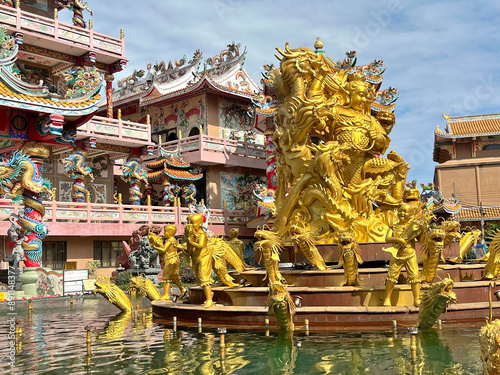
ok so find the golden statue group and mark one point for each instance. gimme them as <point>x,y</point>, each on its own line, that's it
<point>332,127</point>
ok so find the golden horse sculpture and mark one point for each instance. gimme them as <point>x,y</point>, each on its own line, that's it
<point>467,242</point>
<point>113,294</point>
<point>168,248</point>
<point>349,257</point>
<point>492,267</point>
<point>335,182</point>
<point>434,302</point>
<point>145,286</point>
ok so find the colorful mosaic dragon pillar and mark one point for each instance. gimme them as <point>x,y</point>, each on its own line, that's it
<point>74,168</point>
<point>134,174</point>
<point>21,180</point>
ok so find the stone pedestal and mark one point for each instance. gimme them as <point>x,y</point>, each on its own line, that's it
<point>28,278</point>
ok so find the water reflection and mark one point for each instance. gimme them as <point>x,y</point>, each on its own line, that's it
<point>54,342</point>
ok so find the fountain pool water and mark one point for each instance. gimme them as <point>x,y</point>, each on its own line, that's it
<point>54,342</point>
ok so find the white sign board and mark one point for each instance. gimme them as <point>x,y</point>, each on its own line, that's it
<point>73,281</point>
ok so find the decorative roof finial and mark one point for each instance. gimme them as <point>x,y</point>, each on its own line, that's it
<point>445,116</point>
<point>318,45</point>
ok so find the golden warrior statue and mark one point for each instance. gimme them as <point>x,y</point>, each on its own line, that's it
<point>404,235</point>
<point>201,258</point>
<point>167,249</point>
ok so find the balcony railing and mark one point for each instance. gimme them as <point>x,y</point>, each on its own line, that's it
<point>116,130</point>
<point>217,145</point>
<point>60,31</point>
<point>71,212</point>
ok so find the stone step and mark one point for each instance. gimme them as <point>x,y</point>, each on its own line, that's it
<point>466,291</point>
<point>329,318</point>
<point>368,276</point>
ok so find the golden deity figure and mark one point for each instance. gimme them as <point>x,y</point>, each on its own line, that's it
<point>168,249</point>
<point>329,141</point>
<point>236,244</point>
<point>403,236</point>
<point>201,258</point>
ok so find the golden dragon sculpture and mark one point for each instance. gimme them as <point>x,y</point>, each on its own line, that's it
<point>112,293</point>
<point>435,299</point>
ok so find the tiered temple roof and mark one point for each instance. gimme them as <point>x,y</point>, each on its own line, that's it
<point>475,128</point>
<point>222,73</point>
<point>171,165</point>
<point>469,126</point>
<point>474,213</point>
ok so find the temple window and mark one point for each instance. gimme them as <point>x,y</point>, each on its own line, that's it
<point>54,254</point>
<point>107,252</point>
<point>493,146</point>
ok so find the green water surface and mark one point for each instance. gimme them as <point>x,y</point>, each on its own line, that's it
<point>54,342</point>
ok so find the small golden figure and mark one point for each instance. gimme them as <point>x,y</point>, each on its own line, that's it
<point>349,257</point>
<point>202,260</point>
<point>236,244</point>
<point>405,233</point>
<point>168,250</point>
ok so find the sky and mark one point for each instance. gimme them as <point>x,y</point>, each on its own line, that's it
<point>441,55</point>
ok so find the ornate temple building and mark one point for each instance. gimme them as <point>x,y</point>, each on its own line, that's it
<point>201,110</point>
<point>468,153</point>
<point>85,168</point>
